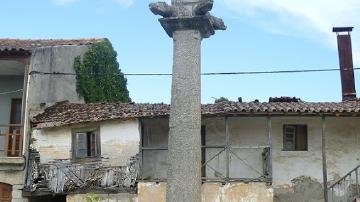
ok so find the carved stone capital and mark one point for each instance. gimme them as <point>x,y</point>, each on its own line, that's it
<point>201,23</point>
<point>186,15</point>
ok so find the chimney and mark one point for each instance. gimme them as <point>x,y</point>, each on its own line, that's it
<point>346,62</point>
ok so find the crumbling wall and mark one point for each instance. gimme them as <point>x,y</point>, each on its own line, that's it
<point>302,189</point>
<point>212,192</point>
<point>288,165</point>
<point>342,149</point>
<point>295,172</point>
<point>116,171</point>
<point>343,145</point>
<point>119,141</point>
<point>122,197</point>
<point>65,176</point>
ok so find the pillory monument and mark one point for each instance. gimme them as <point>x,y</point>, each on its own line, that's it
<point>187,22</point>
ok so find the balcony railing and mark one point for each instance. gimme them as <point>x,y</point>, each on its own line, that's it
<point>11,140</point>
<point>346,188</point>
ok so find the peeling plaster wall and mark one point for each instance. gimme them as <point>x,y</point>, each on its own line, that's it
<point>343,145</point>
<point>288,165</point>
<point>212,192</point>
<point>119,141</point>
<point>342,149</point>
<point>342,140</point>
<point>123,197</point>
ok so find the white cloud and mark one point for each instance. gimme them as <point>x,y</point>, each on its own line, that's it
<point>125,3</point>
<point>63,2</point>
<point>307,18</point>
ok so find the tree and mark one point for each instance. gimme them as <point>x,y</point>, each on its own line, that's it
<point>99,78</point>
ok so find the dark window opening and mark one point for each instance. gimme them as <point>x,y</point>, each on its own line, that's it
<point>86,144</point>
<point>295,138</point>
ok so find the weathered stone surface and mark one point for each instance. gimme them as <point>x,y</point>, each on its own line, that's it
<point>303,189</point>
<point>212,192</point>
<point>187,22</point>
<point>122,197</point>
<point>201,23</point>
<point>184,174</point>
<point>188,15</point>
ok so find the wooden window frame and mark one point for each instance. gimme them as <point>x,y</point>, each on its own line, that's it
<point>14,102</point>
<point>74,133</point>
<point>296,136</point>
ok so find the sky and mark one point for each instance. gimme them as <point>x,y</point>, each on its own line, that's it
<point>262,35</point>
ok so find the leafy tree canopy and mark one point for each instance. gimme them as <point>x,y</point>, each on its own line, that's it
<point>99,78</point>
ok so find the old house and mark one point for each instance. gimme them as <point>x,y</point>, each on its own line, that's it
<point>254,151</point>
<point>285,149</point>
<point>26,87</point>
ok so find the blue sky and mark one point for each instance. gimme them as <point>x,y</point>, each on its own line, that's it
<point>262,35</point>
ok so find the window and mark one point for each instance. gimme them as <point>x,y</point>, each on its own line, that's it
<point>295,138</point>
<point>15,116</point>
<point>86,143</point>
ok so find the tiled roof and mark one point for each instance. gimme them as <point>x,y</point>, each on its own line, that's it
<point>29,44</point>
<point>65,113</point>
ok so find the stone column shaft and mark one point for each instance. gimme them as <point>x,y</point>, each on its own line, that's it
<point>187,22</point>
<point>184,173</point>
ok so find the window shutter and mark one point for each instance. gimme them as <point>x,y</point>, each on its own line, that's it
<point>2,144</point>
<point>81,145</point>
<point>92,144</point>
<point>289,138</point>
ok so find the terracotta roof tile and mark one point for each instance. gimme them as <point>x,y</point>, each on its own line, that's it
<point>65,113</point>
<point>30,44</point>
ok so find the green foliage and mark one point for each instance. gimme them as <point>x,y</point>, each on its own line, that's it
<point>99,78</point>
<point>221,99</point>
<point>90,197</point>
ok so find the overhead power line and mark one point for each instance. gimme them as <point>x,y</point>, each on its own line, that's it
<point>10,92</point>
<point>207,73</point>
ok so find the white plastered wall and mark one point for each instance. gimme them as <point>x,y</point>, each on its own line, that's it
<point>119,141</point>
<point>342,147</point>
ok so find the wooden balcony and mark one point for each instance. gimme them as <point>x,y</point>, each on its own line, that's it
<point>11,140</point>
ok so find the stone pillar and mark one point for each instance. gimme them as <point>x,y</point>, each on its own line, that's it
<point>184,156</point>
<point>187,22</point>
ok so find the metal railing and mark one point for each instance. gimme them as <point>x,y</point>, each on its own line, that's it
<point>11,140</point>
<point>221,164</point>
<point>347,188</point>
